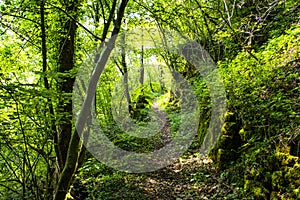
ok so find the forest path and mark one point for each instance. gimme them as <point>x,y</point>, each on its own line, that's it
<point>193,176</point>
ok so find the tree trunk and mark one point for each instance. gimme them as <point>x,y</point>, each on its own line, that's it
<point>74,147</point>
<point>142,70</point>
<point>66,53</point>
<point>125,74</point>
<point>65,83</point>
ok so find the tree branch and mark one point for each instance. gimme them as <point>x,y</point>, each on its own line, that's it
<point>77,22</point>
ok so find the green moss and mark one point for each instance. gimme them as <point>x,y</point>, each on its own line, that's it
<point>260,193</point>
<point>278,180</point>
<point>286,181</point>
<point>258,190</point>
<point>287,159</point>
<point>297,193</point>
<point>225,151</point>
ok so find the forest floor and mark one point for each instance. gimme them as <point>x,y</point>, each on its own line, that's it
<point>191,177</point>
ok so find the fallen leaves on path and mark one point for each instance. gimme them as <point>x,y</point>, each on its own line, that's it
<point>193,177</point>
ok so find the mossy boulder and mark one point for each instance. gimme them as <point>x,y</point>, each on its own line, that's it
<point>271,174</point>
<point>226,149</point>
<point>286,181</point>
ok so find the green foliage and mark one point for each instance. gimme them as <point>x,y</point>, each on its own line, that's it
<point>150,94</point>
<point>204,103</point>
<point>96,181</point>
<point>256,46</point>
<point>267,88</point>
<point>264,94</point>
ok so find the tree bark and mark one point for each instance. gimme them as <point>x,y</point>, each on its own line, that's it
<point>142,70</point>
<point>50,170</point>
<point>124,71</point>
<point>66,82</point>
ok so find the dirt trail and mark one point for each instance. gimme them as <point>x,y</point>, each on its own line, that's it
<point>191,178</point>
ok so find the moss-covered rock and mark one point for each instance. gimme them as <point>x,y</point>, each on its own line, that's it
<point>286,181</point>
<point>270,173</point>
<point>225,150</point>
